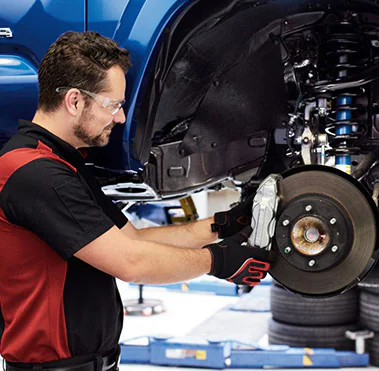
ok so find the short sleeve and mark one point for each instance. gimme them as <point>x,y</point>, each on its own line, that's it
<point>49,199</point>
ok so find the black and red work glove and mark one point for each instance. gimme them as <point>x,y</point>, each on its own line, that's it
<point>228,223</point>
<point>241,264</point>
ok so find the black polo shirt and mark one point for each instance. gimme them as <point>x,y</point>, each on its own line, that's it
<point>53,305</point>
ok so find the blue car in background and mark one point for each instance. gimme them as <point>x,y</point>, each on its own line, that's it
<point>227,92</point>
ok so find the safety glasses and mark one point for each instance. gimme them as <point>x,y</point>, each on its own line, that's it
<point>113,106</point>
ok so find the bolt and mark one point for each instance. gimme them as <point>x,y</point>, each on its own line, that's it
<point>308,208</point>
<point>333,221</point>
<point>287,250</point>
<point>311,263</point>
<point>305,140</point>
<point>286,222</point>
<point>334,248</point>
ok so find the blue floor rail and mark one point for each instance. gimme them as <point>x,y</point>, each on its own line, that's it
<point>218,287</point>
<point>195,352</point>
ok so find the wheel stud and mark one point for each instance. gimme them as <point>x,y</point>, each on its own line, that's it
<point>287,250</point>
<point>311,263</point>
<point>334,248</point>
<point>333,221</point>
<point>286,222</point>
<point>308,208</point>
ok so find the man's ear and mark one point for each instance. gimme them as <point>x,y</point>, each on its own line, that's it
<point>74,102</point>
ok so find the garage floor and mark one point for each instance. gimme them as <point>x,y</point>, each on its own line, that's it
<point>184,314</point>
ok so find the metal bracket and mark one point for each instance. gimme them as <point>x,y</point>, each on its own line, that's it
<point>131,191</point>
<point>6,32</point>
<point>263,219</point>
<point>307,139</point>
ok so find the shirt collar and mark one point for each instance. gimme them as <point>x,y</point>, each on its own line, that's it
<point>59,146</point>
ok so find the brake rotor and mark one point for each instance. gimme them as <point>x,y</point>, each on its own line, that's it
<point>325,237</point>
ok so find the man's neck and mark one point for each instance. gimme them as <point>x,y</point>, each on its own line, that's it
<point>57,125</point>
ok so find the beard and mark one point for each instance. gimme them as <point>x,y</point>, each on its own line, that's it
<point>81,131</point>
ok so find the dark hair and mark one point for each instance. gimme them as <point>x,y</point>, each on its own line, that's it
<point>80,60</point>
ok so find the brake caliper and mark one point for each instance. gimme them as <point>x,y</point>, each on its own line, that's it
<point>265,206</point>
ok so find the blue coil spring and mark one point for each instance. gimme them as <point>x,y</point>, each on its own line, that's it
<point>342,59</point>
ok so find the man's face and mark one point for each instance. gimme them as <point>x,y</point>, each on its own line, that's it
<point>95,124</point>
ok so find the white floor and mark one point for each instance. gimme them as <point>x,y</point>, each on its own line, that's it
<point>184,311</point>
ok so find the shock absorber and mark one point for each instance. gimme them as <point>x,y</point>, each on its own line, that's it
<point>344,128</point>
<point>342,56</point>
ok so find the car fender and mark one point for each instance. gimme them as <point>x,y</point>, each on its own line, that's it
<point>139,30</point>
<point>19,91</point>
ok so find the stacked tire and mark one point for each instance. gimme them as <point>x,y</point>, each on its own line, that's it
<point>369,312</point>
<point>313,322</point>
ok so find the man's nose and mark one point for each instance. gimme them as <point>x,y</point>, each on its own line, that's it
<point>119,117</point>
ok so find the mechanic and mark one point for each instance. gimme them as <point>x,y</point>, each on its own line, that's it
<point>64,242</point>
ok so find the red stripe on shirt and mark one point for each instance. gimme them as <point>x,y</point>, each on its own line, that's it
<point>17,158</point>
<point>32,279</point>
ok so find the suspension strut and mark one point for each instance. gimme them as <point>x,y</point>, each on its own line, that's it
<point>345,127</point>
<point>342,57</point>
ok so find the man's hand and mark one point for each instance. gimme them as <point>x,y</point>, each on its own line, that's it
<point>228,223</point>
<point>243,265</point>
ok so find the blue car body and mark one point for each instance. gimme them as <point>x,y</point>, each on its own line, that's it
<point>153,31</point>
<point>137,25</point>
<point>218,90</point>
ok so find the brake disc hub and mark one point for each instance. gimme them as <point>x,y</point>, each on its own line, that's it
<point>309,234</point>
<point>326,232</point>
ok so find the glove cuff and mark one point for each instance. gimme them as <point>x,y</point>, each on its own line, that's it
<point>217,260</point>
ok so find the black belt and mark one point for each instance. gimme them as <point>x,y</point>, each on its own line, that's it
<point>99,363</point>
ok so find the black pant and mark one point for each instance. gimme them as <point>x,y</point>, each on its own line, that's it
<point>86,363</point>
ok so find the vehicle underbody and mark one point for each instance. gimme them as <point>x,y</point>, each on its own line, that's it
<point>249,89</point>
